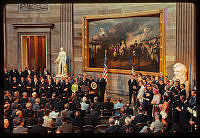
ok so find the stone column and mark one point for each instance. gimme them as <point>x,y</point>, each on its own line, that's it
<point>185,34</point>
<point>66,18</point>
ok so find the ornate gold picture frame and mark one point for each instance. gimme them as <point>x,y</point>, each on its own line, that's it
<point>122,35</point>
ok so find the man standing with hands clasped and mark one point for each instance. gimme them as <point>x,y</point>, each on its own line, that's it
<point>101,87</point>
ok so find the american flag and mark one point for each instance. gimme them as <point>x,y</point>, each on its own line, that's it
<point>105,72</point>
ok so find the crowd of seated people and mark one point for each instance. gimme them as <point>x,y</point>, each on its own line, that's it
<point>40,103</point>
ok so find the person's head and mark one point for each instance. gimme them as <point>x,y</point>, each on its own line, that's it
<point>122,111</point>
<point>156,78</point>
<point>193,92</point>
<point>96,99</point>
<point>25,95</point>
<point>66,106</point>
<point>16,94</point>
<point>120,100</point>
<point>140,75</point>
<point>20,122</point>
<point>161,82</point>
<point>148,86</point>
<point>100,75</point>
<point>46,112</point>
<point>158,116</point>
<point>111,121</point>
<point>84,99</point>
<point>167,87</point>
<point>19,114</point>
<point>22,78</point>
<point>155,91</point>
<point>14,78</point>
<point>37,100</point>
<point>182,86</point>
<point>40,121</point>
<point>28,105</point>
<point>127,121</point>
<point>77,114</point>
<point>132,76</point>
<point>6,123</point>
<point>139,110</point>
<point>34,94</point>
<point>141,83</point>
<point>127,105</point>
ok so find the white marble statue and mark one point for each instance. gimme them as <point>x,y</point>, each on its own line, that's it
<point>180,72</point>
<point>61,62</point>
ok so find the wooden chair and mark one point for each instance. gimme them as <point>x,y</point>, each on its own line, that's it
<point>103,120</point>
<point>101,128</point>
<point>139,126</point>
<point>88,129</point>
<point>106,112</point>
<point>76,129</point>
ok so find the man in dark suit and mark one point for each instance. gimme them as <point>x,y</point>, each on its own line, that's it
<point>22,85</point>
<point>35,86</point>
<point>112,128</point>
<point>39,129</point>
<point>182,91</point>
<point>133,85</point>
<point>14,85</point>
<point>148,96</point>
<point>184,115</point>
<point>139,118</point>
<point>101,87</point>
<point>13,73</point>
<point>6,79</point>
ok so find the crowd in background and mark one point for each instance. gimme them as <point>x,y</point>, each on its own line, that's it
<point>38,102</point>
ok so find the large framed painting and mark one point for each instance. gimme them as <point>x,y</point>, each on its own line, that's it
<point>129,39</point>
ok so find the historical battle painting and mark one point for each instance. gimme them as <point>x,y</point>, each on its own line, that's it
<point>128,41</point>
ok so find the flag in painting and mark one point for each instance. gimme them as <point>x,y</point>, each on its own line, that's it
<point>105,72</point>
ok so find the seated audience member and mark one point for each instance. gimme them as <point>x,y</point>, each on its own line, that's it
<point>66,126</point>
<point>15,104</point>
<point>67,112</point>
<point>77,120</point>
<point>7,128</point>
<point>128,110</point>
<point>157,125</point>
<point>53,114</point>
<point>19,114</point>
<point>122,116</point>
<point>20,127</point>
<point>108,104</point>
<point>139,118</point>
<point>97,105</point>
<point>48,122</point>
<point>127,125</point>
<point>33,98</point>
<point>93,111</point>
<point>24,100</point>
<point>119,104</point>
<point>36,106</point>
<point>84,105</point>
<point>89,119</point>
<point>39,128</point>
<point>112,128</point>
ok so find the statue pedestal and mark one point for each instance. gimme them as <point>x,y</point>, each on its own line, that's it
<point>58,76</point>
